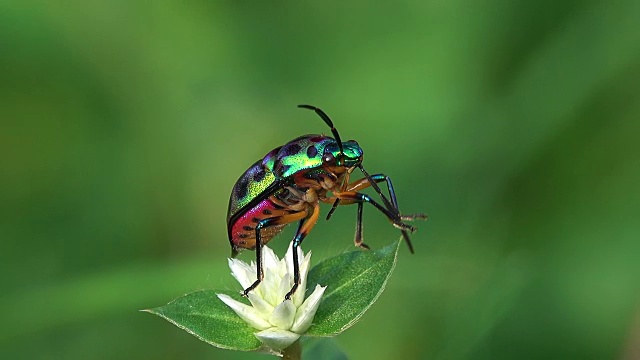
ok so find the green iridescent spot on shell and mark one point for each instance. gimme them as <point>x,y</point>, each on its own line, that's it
<point>250,185</point>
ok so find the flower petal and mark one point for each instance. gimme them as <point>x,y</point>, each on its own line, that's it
<point>246,312</point>
<point>244,273</point>
<point>289,257</point>
<point>277,339</point>
<point>283,315</point>
<point>269,258</point>
<point>280,322</point>
<point>284,287</point>
<point>270,285</point>
<point>307,311</point>
<point>281,268</point>
<point>272,276</point>
<point>264,308</point>
<point>298,296</point>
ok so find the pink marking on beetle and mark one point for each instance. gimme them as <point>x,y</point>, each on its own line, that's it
<point>246,224</point>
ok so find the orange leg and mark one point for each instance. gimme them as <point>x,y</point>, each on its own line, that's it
<point>351,195</point>
<point>363,184</point>
<point>303,230</point>
<point>360,185</point>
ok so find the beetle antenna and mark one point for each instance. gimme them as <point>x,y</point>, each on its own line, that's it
<point>328,121</point>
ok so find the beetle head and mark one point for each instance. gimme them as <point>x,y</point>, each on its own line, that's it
<point>349,155</point>
<point>341,155</point>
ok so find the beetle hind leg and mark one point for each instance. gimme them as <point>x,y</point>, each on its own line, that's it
<point>265,223</point>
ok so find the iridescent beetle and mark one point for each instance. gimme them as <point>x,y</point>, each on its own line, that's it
<point>288,184</point>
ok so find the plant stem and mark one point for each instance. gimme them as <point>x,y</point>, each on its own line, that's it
<point>293,352</point>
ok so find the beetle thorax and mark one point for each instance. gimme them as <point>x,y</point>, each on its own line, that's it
<point>327,183</point>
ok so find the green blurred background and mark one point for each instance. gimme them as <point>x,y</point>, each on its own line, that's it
<point>514,125</point>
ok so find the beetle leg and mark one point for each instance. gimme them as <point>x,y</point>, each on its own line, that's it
<point>336,202</point>
<point>265,223</point>
<point>351,197</point>
<point>358,238</point>
<point>345,185</point>
<point>303,230</point>
<point>364,183</point>
<point>375,186</point>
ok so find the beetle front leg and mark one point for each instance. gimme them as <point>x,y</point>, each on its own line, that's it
<point>365,183</point>
<point>359,185</point>
<point>358,238</point>
<point>351,197</point>
<point>337,201</point>
<point>265,223</point>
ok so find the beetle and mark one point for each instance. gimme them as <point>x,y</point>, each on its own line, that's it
<point>288,184</point>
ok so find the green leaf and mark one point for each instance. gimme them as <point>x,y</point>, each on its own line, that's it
<point>206,317</point>
<point>355,280</point>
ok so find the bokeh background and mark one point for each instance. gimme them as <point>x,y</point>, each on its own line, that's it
<point>513,124</point>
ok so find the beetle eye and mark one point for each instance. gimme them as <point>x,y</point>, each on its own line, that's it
<point>328,158</point>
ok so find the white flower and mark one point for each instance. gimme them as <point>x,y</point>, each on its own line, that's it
<point>280,322</point>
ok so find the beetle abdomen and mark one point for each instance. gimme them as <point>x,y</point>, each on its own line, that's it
<point>243,231</point>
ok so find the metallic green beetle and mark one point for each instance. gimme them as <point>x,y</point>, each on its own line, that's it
<point>288,184</point>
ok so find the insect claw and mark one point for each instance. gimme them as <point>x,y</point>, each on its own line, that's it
<point>403,226</point>
<point>412,217</point>
<point>245,292</point>
<point>293,289</point>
